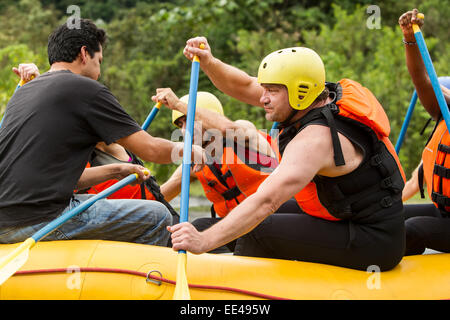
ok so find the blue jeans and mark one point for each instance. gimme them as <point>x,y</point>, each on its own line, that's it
<point>129,220</point>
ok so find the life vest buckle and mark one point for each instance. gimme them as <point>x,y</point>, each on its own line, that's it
<point>441,171</point>
<point>440,199</point>
<point>232,193</point>
<point>227,174</point>
<point>212,183</point>
<point>444,148</point>
<point>386,183</point>
<point>386,202</point>
<point>376,160</point>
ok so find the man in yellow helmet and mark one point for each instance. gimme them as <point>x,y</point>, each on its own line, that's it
<point>335,139</point>
<point>240,157</point>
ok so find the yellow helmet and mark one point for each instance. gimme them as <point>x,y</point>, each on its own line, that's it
<point>300,69</point>
<point>205,100</point>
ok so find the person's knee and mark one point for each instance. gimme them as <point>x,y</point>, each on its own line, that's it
<point>163,215</point>
<point>415,237</point>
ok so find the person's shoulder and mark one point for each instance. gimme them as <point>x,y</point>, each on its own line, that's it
<point>313,136</point>
<point>68,78</point>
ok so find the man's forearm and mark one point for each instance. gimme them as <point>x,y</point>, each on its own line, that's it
<point>149,148</point>
<point>96,175</point>
<point>172,187</point>
<point>161,151</point>
<point>238,222</point>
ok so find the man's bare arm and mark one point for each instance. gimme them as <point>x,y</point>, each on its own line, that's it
<point>148,148</point>
<point>172,187</point>
<point>304,157</point>
<point>416,67</point>
<point>226,78</point>
<point>245,131</point>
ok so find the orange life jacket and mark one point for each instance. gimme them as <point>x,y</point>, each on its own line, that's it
<point>308,199</point>
<point>436,167</point>
<point>239,175</point>
<point>358,115</point>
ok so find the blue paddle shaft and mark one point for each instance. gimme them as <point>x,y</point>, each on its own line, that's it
<point>274,127</point>
<point>150,118</point>
<point>405,125</point>
<point>187,149</point>
<point>86,204</point>
<point>433,77</point>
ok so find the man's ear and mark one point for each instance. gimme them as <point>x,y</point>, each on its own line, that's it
<point>83,54</point>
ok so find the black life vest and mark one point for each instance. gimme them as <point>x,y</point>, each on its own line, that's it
<point>377,183</point>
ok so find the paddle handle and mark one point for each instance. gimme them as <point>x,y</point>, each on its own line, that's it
<point>405,125</point>
<point>83,206</point>
<point>151,116</point>
<point>431,72</point>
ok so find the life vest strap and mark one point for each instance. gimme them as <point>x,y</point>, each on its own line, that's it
<point>385,202</point>
<point>440,199</point>
<point>232,193</point>
<point>420,175</point>
<point>441,171</point>
<point>444,148</point>
<point>338,155</point>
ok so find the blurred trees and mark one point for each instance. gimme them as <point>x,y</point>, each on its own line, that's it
<point>147,37</point>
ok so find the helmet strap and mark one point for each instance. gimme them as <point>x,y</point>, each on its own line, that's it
<point>286,123</point>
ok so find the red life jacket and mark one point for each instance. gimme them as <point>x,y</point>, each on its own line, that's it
<point>239,175</point>
<point>127,192</point>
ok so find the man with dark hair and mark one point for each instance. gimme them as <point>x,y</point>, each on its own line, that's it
<point>64,43</point>
<point>50,128</point>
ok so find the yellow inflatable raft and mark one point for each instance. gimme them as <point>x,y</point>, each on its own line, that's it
<point>97,269</point>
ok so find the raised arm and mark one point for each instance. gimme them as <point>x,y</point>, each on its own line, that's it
<point>416,66</point>
<point>244,131</point>
<point>228,79</point>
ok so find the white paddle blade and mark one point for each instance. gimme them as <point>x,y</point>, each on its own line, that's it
<point>15,260</point>
<point>10,268</point>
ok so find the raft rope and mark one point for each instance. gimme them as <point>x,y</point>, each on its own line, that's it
<point>149,276</point>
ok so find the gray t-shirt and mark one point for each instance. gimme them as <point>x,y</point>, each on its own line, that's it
<point>50,128</point>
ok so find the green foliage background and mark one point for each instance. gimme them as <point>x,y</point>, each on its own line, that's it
<point>146,40</point>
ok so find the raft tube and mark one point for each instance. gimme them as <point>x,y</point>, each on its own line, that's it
<point>95,269</point>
